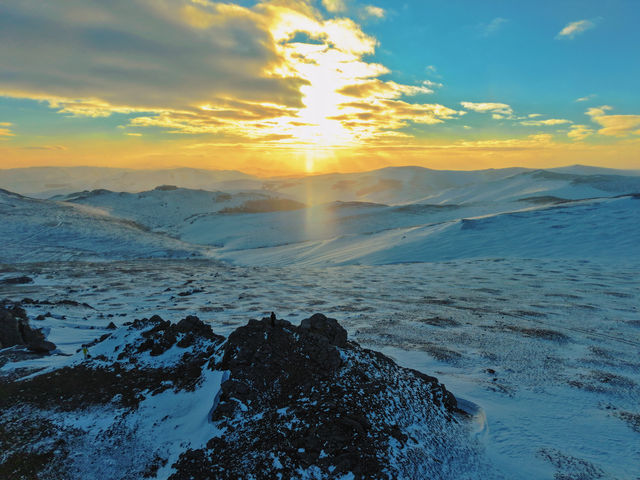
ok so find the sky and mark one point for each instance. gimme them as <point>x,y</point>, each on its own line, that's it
<point>310,86</point>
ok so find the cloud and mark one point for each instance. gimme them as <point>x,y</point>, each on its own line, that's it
<point>548,122</point>
<point>5,131</point>
<point>614,125</point>
<point>575,28</point>
<point>493,26</point>
<point>54,148</point>
<point>382,118</point>
<point>487,107</point>
<point>334,6</point>
<point>380,89</point>
<point>375,12</point>
<point>274,72</point>
<point>579,132</point>
<point>539,140</point>
<point>163,54</point>
<point>586,99</point>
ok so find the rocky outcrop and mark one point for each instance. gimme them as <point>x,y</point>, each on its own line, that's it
<point>304,399</point>
<point>289,402</point>
<point>15,330</point>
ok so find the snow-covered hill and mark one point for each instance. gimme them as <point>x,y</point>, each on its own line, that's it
<point>41,230</point>
<point>171,210</point>
<point>391,215</point>
<point>603,228</point>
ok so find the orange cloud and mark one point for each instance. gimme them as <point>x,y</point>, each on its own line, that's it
<point>614,125</point>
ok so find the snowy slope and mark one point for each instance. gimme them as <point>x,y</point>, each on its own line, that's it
<point>406,214</point>
<point>548,349</point>
<point>361,203</point>
<point>402,185</point>
<point>169,209</point>
<point>586,229</point>
<point>40,230</point>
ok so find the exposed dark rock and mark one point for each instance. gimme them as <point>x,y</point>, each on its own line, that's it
<point>298,401</point>
<point>16,280</point>
<point>314,401</point>
<point>92,383</point>
<point>328,328</point>
<point>15,330</point>
<point>111,326</point>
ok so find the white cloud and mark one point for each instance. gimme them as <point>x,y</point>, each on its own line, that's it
<point>575,28</point>
<point>493,26</point>
<point>334,6</point>
<point>373,11</point>
<point>489,107</point>
<point>547,122</point>
<point>585,99</point>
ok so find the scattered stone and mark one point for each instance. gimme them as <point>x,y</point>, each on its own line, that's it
<point>16,280</point>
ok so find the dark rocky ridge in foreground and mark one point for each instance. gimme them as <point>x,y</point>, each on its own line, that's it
<point>297,402</point>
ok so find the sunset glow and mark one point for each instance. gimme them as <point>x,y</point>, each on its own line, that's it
<point>302,86</point>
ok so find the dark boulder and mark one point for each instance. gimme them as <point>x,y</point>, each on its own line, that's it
<point>328,328</point>
<point>22,280</point>
<point>15,330</point>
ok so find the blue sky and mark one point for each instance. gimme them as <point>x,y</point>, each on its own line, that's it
<point>505,51</point>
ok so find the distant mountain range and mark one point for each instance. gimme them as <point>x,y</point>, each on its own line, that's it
<point>392,215</point>
<point>390,185</point>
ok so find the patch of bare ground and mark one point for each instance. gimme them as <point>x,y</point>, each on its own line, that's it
<point>600,381</point>
<point>630,418</point>
<point>569,467</point>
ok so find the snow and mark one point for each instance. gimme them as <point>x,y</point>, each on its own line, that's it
<point>164,425</point>
<point>450,273</point>
<point>37,230</point>
<point>531,406</point>
<point>588,229</point>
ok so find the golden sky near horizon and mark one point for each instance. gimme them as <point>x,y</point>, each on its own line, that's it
<point>305,86</point>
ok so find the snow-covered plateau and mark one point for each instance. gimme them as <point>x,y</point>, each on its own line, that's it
<point>491,325</point>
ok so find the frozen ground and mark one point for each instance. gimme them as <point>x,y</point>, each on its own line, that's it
<point>549,349</point>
